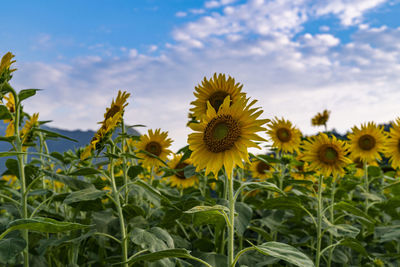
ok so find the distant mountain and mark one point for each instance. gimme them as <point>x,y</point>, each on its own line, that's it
<point>60,145</point>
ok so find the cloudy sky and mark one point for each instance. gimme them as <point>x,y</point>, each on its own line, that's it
<point>297,57</point>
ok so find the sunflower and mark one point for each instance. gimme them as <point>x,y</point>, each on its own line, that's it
<point>321,118</point>
<point>26,134</point>
<point>367,142</point>
<point>284,136</point>
<point>105,130</point>
<point>154,143</point>
<point>178,179</point>
<point>326,155</point>
<point>6,62</point>
<point>223,137</point>
<point>392,147</point>
<point>260,169</point>
<point>359,166</point>
<point>117,106</point>
<point>10,105</point>
<point>215,91</point>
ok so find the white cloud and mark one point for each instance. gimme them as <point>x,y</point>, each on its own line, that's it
<point>292,73</point>
<point>180,14</point>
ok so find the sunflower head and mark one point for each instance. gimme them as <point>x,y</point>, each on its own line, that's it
<point>155,144</point>
<point>117,106</point>
<point>178,179</point>
<point>326,155</point>
<point>392,146</point>
<point>222,137</point>
<point>26,132</point>
<point>215,91</point>
<point>5,64</point>
<point>367,142</point>
<point>284,136</point>
<point>261,170</point>
<point>321,118</point>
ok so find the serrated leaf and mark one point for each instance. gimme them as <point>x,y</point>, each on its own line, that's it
<point>284,252</point>
<point>45,225</point>
<point>168,253</point>
<point>84,195</point>
<point>26,93</point>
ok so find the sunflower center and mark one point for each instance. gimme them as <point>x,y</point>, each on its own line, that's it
<point>359,163</point>
<point>221,133</point>
<point>112,111</point>
<point>217,99</point>
<point>283,135</point>
<point>181,174</point>
<point>366,142</point>
<point>328,154</point>
<point>154,148</point>
<point>263,167</point>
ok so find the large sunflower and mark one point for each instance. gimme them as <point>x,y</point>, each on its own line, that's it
<point>215,91</point>
<point>223,137</point>
<point>178,179</point>
<point>326,155</point>
<point>154,143</point>
<point>367,142</point>
<point>392,147</point>
<point>284,136</point>
<point>261,170</point>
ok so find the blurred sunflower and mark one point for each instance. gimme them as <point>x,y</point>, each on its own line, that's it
<point>367,142</point>
<point>326,155</point>
<point>215,91</point>
<point>392,147</point>
<point>10,105</point>
<point>154,143</point>
<point>284,136</point>
<point>321,118</point>
<point>105,130</point>
<point>6,62</point>
<point>26,132</point>
<point>117,106</point>
<point>260,169</point>
<point>10,179</point>
<point>359,166</point>
<point>178,179</point>
<point>223,137</point>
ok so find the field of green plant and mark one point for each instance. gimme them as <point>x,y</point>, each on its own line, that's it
<point>125,200</point>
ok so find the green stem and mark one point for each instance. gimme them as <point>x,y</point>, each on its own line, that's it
<point>240,254</point>
<point>123,144</point>
<point>332,219</point>
<point>231,226</point>
<point>21,166</point>
<point>319,221</point>
<point>124,241</point>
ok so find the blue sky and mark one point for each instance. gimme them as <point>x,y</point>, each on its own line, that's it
<point>296,57</point>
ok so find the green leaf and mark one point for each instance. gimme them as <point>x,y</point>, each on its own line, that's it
<point>135,171</point>
<point>244,216</point>
<point>73,183</point>
<point>5,113</point>
<point>12,167</point>
<point>10,248</point>
<point>355,245</point>
<point>84,171</point>
<point>262,185</point>
<point>26,93</point>
<point>344,206</point>
<point>168,253</point>
<point>153,191</point>
<point>342,230</point>
<point>282,203</point>
<point>208,215</point>
<point>54,134</point>
<point>147,240</point>
<point>45,225</point>
<point>261,232</point>
<point>189,171</point>
<point>84,195</point>
<point>387,233</point>
<point>207,208</point>
<point>284,252</point>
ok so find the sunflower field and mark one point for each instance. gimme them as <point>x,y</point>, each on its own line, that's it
<point>126,200</point>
